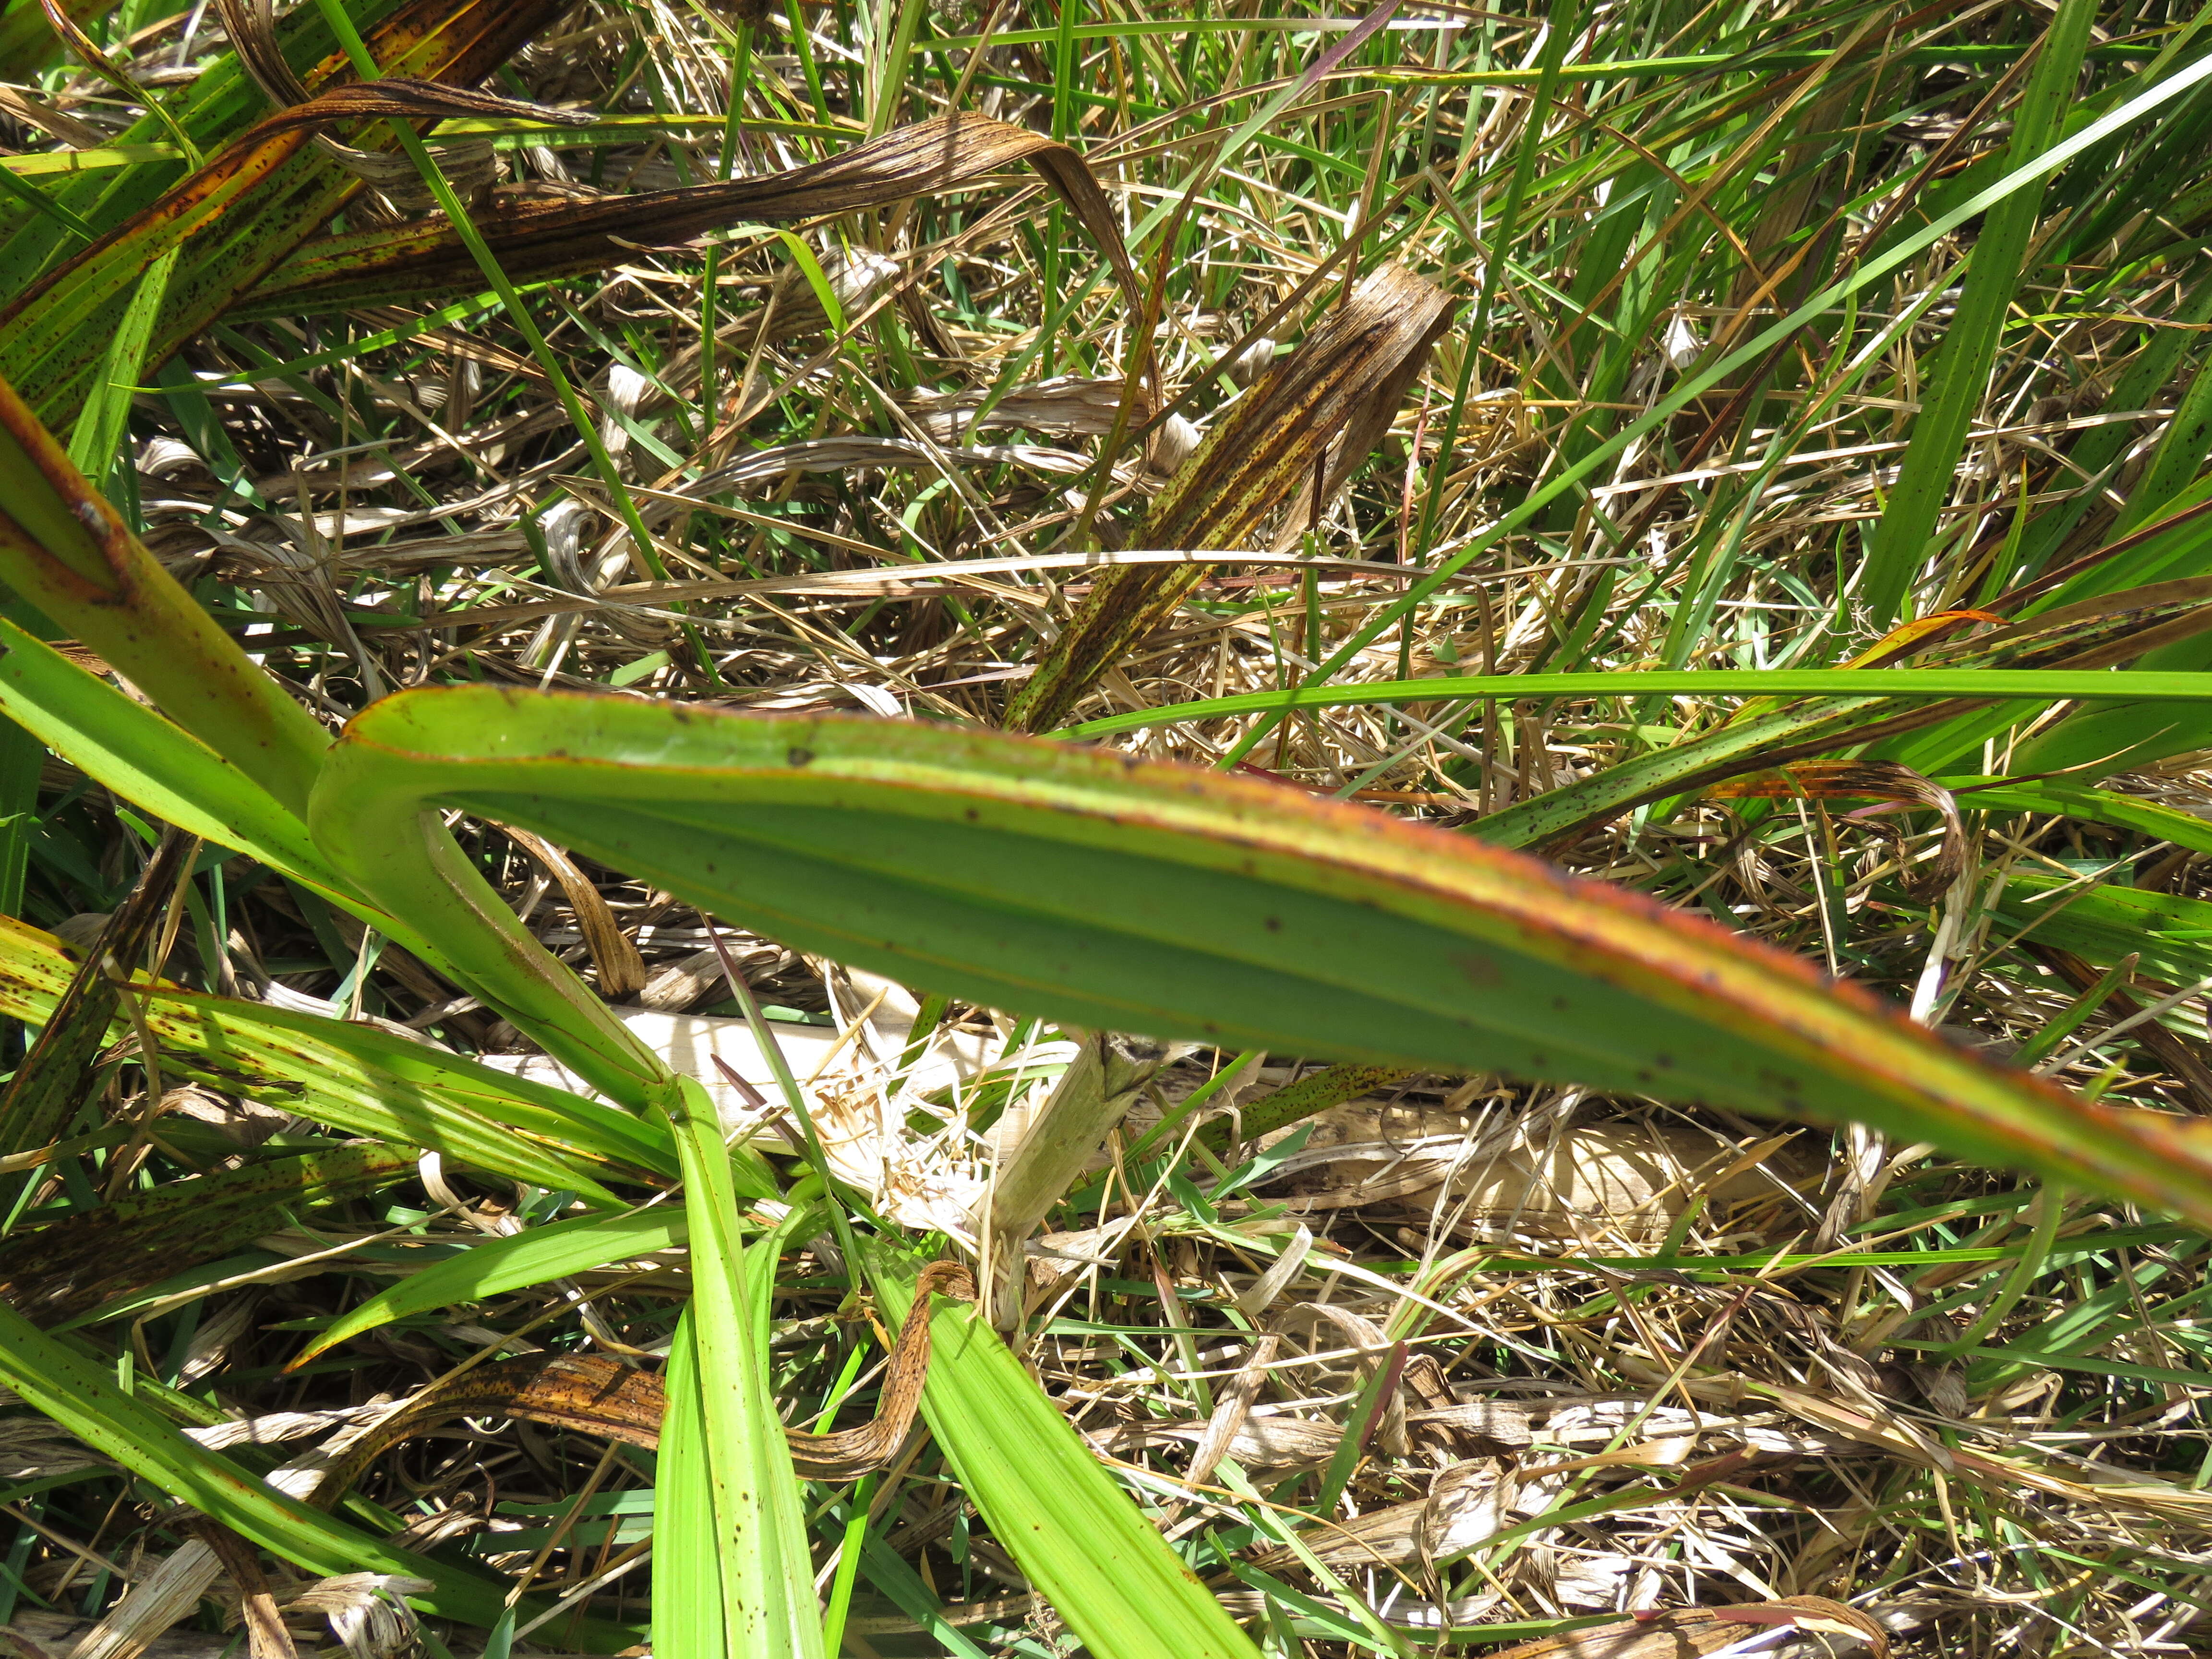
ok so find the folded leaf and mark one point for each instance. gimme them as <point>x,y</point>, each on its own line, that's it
<point>422,262</point>
<point>1100,891</point>
<point>1319,411</point>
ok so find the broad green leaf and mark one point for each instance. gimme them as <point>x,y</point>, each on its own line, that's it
<point>1075,1535</point>
<point>82,1395</point>
<point>142,758</point>
<point>493,1266</point>
<point>687,1607</point>
<point>364,1081</point>
<point>2102,923</point>
<point>1100,891</point>
<point>63,549</point>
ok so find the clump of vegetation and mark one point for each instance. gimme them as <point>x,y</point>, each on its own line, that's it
<point>1047,830</point>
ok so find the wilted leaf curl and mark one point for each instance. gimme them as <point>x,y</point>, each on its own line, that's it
<point>536,240</point>
<point>1097,889</point>
<point>1297,435</point>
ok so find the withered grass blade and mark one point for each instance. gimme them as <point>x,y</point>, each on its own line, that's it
<point>1299,434</point>
<point>236,218</point>
<point>90,1257</point>
<point>534,241</point>
<point>1692,1633</point>
<point>57,1077</point>
<point>594,1394</point>
<point>402,98</point>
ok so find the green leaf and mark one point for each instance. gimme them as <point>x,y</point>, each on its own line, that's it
<point>493,1266</point>
<point>103,424</point>
<point>146,760</point>
<point>1905,684</point>
<point>1958,378</point>
<point>81,1396</point>
<point>1074,1533</point>
<point>2171,933</point>
<point>2076,800</point>
<point>1097,889</point>
<point>365,1081</point>
<point>743,1537</point>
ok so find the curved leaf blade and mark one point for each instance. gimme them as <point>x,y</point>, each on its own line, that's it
<point>1104,1568</point>
<point>496,1266</point>
<point>1103,891</point>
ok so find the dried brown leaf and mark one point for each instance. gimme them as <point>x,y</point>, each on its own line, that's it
<point>1691,1632</point>
<point>1296,435</point>
<point>595,1395</point>
<point>534,241</point>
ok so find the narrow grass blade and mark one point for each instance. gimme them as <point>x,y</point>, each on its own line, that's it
<point>496,1266</point>
<point>1899,684</point>
<point>1958,380</point>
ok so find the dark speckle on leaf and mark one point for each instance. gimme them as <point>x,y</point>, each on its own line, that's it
<point>799,756</point>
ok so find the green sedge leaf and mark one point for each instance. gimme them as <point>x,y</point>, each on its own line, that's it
<point>496,1266</point>
<point>1097,890</point>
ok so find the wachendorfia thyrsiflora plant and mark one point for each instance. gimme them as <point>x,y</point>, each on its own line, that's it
<point>1028,868</point>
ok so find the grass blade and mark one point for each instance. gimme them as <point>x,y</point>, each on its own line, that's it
<point>1958,381</point>
<point>497,1266</point>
